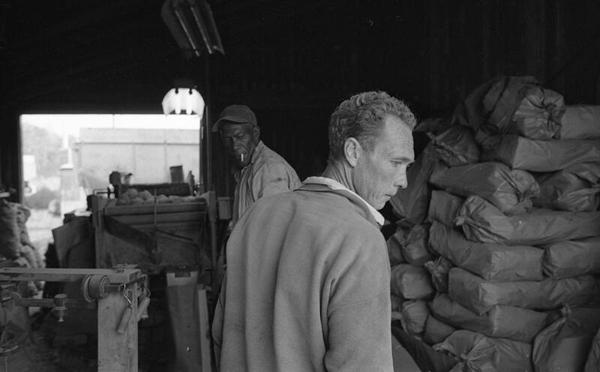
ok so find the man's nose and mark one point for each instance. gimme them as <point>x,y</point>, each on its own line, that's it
<point>237,143</point>
<point>401,181</point>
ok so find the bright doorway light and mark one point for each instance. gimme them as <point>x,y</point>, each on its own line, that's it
<point>67,157</point>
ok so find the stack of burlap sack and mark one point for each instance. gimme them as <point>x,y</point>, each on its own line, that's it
<point>15,245</point>
<point>497,253</point>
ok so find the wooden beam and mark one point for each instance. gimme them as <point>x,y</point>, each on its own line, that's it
<point>124,276</point>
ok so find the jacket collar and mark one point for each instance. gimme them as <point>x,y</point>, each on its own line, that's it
<point>334,185</point>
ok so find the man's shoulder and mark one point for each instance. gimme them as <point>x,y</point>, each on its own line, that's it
<point>270,157</point>
<point>329,207</point>
<point>269,163</point>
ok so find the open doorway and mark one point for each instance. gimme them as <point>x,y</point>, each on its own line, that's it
<point>67,157</point>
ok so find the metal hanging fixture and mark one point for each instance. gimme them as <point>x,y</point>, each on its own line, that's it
<point>192,24</point>
<point>183,100</point>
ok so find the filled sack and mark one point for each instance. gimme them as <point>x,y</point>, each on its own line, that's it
<point>540,156</point>
<point>575,189</point>
<point>439,269</point>
<point>479,353</point>
<point>436,331</point>
<point>396,303</point>
<point>479,295</point>
<point>411,203</point>
<point>444,207</point>
<point>512,104</point>
<point>520,105</point>
<point>572,258</point>
<point>509,322</point>
<point>494,262</point>
<point>580,122</point>
<point>483,222</point>
<point>10,234</point>
<point>394,246</point>
<point>509,190</point>
<point>564,346</point>
<point>413,316</point>
<point>593,359</point>
<point>410,282</point>
<point>414,247</point>
<point>456,146</point>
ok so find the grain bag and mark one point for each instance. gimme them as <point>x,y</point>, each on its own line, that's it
<point>575,189</point>
<point>414,247</point>
<point>520,105</point>
<point>509,322</point>
<point>509,190</point>
<point>564,346</point>
<point>483,222</point>
<point>541,156</point>
<point>593,359</point>
<point>414,316</point>
<point>396,303</point>
<point>479,295</point>
<point>436,331</point>
<point>439,269</point>
<point>494,262</point>
<point>444,207</point>
<point>411,203</point>
<point>394,246</point>
<point>580,122</point>
<point>572,258</point>
<point>410,282</point>
<point>479,353</point>
<point>456,146</point>
<point>10,234</point>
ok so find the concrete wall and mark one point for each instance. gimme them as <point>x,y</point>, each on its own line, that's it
<point>147,153</point>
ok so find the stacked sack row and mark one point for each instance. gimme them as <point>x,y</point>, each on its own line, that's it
<point>504,202</point>
<point>16,248</point>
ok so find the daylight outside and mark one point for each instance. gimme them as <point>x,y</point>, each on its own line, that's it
<point>67,157</point>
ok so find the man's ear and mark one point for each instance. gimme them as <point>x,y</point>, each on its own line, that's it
<point>352,151</point>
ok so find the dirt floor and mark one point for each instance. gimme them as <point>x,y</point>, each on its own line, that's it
<point>51,346</point>
<point>41,348</point>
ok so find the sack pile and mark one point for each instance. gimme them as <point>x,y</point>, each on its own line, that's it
<point>513,234</point>
<point>15,245</point>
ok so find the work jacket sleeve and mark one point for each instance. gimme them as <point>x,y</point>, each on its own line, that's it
<point>359,330</point>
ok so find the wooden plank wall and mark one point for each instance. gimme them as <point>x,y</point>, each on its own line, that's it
<point>294,63</point>
<point>431,53</point>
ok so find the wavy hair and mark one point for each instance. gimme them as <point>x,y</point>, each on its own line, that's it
<point>361,116</point>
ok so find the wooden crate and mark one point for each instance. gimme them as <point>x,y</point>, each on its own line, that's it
<point>153,236</point>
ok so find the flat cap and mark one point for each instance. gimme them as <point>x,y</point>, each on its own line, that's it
<point>236,114</point>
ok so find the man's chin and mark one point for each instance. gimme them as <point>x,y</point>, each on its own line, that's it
<point>379,205</point>
<point>383,202</point>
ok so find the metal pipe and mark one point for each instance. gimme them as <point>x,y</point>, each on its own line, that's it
<point>186,30</point>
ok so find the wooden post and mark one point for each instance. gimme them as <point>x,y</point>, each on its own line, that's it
<point>118,352</point>
<point>98,205</point>
<point>204,329</point>
<point>181,290</point>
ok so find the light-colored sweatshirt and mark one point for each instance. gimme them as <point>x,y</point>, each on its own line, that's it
<point>307,286</point>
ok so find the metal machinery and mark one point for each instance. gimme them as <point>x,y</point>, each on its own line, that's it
<point>120,296</point>
<point>175,240</point>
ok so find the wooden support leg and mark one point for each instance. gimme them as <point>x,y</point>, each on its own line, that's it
<point>118,351</point>
<point>180,294</point>
<point>204,329</point>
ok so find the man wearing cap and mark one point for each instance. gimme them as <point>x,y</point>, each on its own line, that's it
<point>260,171</point>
